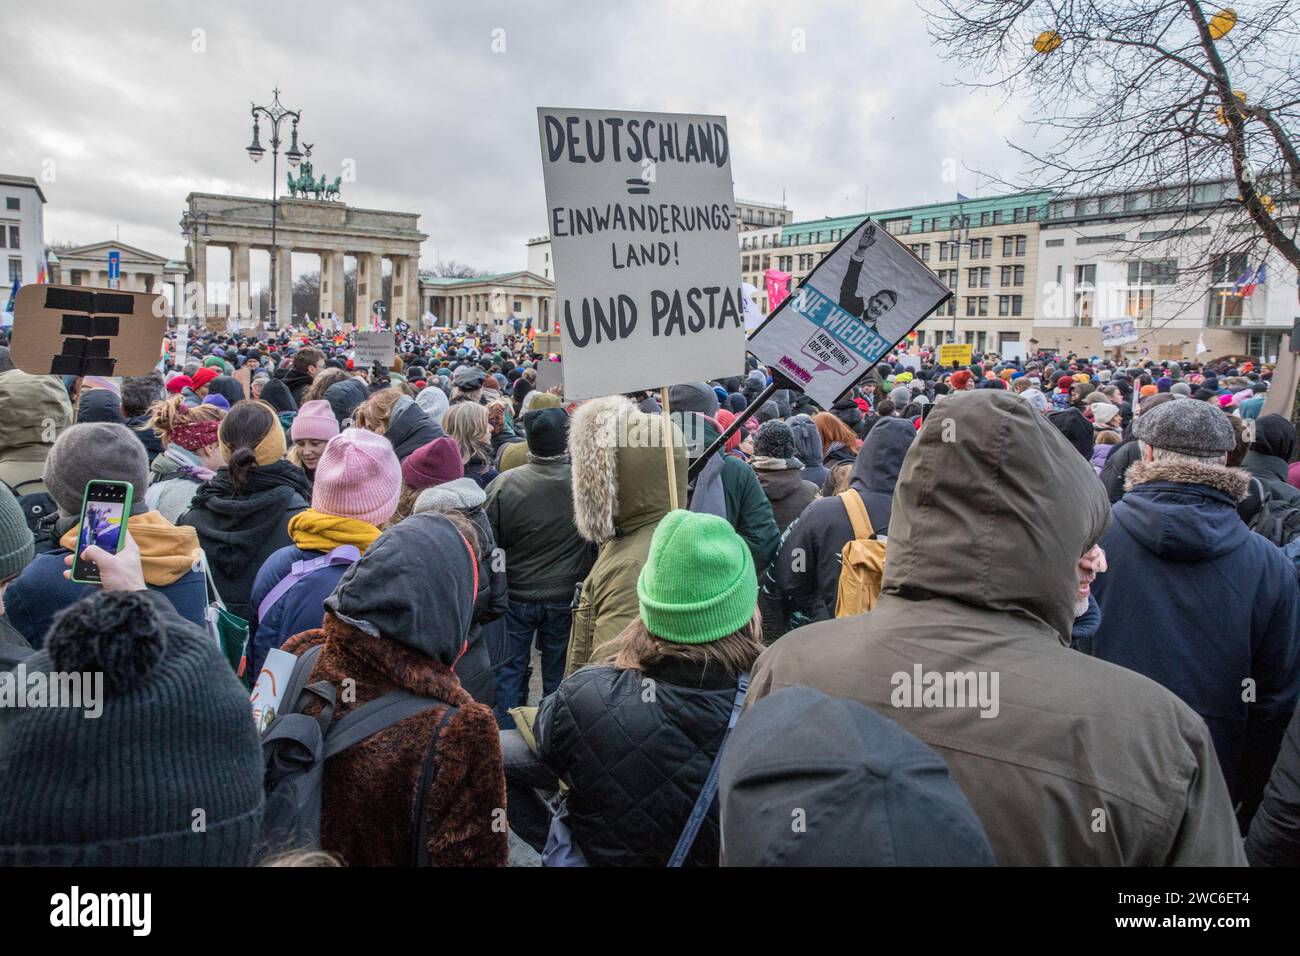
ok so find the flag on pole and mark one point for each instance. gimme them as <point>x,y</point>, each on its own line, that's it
<point>7,317</point>
<point>1201,347</point>
<point>1248,283</point>
<point>42,271</point>
<point>961,198</point>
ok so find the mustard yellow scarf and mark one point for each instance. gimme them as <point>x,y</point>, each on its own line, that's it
<point>316,531</point>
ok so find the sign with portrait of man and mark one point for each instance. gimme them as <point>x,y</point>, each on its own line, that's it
<point>850,311</point>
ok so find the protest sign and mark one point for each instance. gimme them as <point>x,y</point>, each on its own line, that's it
<point>182,346</point>
<point>75,330</point>
<point>778,287</point>
<point>643,233</point>
<point>270,687</point>
<point>1014,351</point>
<point>549,374</point>
<point>375,347</point>
<point>959,352</point>
<point>244,376</point>
<point>1118,332</point>
<point>855,306</point>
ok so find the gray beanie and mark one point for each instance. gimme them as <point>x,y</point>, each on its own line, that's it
<point>1180,388</point>
<point>95,451</point>
<point>774,440</point>
<point>901,396</point>
<point>694,397</point>
<point>17,548</point>
<point>1188,428</point>
<point>174,735</point>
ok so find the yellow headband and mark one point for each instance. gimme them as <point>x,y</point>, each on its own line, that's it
<point>272,446</point>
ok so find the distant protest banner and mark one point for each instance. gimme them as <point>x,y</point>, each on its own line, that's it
<point>1118,332</point>
<point>859,303</point>
<point>375,347</point>
<point>959,353</point>
<point>643,231</point>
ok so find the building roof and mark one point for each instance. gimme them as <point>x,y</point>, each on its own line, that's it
<point>28,181</point>
<point>498,277</point>
<point>939,210</point>
<point>93,249</point>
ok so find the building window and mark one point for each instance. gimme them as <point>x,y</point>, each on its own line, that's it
<point>11,202</point>
<point>1018,214</point>
<point>15,270</point>
<point>1053,243</point>
<point>1139,305</point>
<point>1012,275</point>
<point>13,237</point>
<point>1264,344</point>
<point>921,250</point>
<point>1031,213</point>
<point>997,219</point>
<point>977,305</point>
<point>984,219</point>
<point>898,227</point>
<point>1153,272</point>
<point>1010,305</point>
<point>1225,304</point>
<point>1085,281</point>
<point>75,278</point>
<point>1099,240</point>
<point>519,307</point>
<point>2,237</point>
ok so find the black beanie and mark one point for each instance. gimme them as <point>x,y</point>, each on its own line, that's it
<point>123,786</point>
<point>774,440</point>
<point>548,432</point>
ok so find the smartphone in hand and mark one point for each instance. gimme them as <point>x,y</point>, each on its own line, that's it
<point>105,508</point>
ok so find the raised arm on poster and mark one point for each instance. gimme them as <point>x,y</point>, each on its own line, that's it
<point>75,330</point>
<point>855,306</point>
<point>642,222</point>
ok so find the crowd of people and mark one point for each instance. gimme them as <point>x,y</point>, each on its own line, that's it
<point>1036,611</point>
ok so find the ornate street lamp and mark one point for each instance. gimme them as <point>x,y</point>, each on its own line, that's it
<point>275,113</point>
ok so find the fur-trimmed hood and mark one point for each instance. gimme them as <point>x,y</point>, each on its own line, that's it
<point>620,475</point>
<point>1234,482</point>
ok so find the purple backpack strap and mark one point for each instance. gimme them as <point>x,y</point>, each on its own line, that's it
<point>344,554</point>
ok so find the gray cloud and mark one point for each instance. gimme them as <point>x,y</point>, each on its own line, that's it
<point>133,118</point>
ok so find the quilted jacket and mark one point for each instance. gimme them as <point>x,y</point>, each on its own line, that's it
<point>635,748</point>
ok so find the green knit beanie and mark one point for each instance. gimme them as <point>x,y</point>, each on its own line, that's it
<point>698,583</point>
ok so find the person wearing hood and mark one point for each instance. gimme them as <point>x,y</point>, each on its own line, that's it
<point>36,412</point>
<point>191,454</point>
<point>808,449</point>
<point>344,397</point>
<point>883,798</point>
<point>1175,541</point>
<point>356,492</point>
<point>1269,455</point>
<point>802,582</point>
<point>434,480</point>
<point>171,723</point>
<point>781,473</point>
<point>634,769</point>
<point>620,494</point>
<point>103,451</point>
<point>514,454</point>
<point>399,620</point>
<point>99,405</point>
<point>1070,739</point>
<point>1076,429</point>
<point>726,486</point>
<point>242,514</point>
<point>434,401</point>
<point>532,512</point>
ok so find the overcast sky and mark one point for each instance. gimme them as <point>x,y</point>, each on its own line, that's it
<point>132,106</point>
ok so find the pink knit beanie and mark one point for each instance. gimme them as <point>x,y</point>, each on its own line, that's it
<point>358,476</point>
<point>314,420</point>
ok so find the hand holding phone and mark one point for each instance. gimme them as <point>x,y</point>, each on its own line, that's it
<point>105,508</point>
<point>117,572</point>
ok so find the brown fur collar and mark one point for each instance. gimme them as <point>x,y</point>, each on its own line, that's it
<point>1234,482</point>
<point>377,665</point>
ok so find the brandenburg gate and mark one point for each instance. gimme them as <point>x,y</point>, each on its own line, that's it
<point>330,230</point>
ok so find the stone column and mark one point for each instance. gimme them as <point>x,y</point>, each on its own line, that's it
<point>241,296</point>
<point>199,276</point>
<point>400,306</point>
<point>332,284</point>
<point>284,286</point>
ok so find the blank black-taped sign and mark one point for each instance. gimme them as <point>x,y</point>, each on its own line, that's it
<point>73,330</point>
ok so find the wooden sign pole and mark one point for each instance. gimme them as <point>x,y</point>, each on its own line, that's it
<point>667,434</point>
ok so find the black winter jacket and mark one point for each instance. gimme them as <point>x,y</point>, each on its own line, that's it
<point>1274,838</point>
<point>635,768</point>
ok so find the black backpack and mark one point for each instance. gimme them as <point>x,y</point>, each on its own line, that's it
<point>1276,520</point>
<point>296,745</point>
<point>39,511</point>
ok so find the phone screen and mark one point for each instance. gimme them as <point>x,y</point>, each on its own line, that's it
<point>102,518</point>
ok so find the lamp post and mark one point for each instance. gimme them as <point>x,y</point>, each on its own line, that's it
<point>275,113</point>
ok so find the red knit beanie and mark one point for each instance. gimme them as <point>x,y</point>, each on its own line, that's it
<point>433,464</point>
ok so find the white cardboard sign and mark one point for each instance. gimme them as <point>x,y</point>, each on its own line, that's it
<point>858,303</point>
<point>642,221</point>
<point>372,347</point>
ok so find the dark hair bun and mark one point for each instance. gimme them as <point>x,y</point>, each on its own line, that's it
<point>116,632</point>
